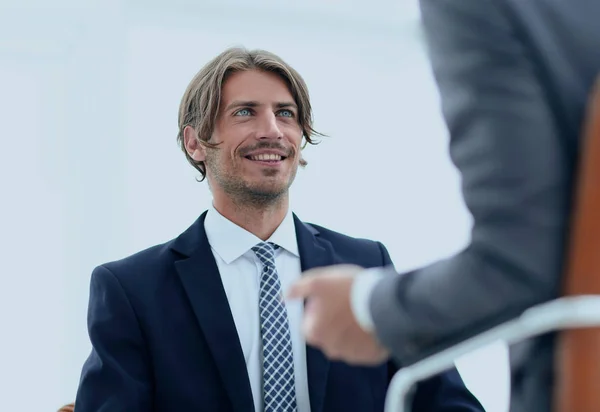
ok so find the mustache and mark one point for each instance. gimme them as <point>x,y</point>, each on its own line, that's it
<point>245,151</point>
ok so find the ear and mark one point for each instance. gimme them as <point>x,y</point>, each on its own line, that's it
<point>192,146</point>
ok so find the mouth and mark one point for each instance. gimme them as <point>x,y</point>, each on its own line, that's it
<point>267,158</point>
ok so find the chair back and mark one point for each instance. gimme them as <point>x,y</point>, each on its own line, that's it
<point>67,408</point>
<point>577,362</point>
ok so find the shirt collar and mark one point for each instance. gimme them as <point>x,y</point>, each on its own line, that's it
<point>231,241</point>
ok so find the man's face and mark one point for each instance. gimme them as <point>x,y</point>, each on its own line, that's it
<point>259,135</point>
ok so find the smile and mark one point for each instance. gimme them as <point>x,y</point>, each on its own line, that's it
<point>266,157</point>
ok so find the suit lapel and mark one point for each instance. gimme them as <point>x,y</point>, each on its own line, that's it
<point>314,252</point>
<point>201,280</point>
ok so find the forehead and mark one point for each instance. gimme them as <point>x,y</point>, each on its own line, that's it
<point>255,85</point>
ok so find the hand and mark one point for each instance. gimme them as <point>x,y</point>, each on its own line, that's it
<point>329,323</point>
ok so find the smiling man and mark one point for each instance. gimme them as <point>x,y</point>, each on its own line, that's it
<point>199,323</point>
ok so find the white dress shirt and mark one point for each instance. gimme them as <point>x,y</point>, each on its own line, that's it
<point>360,296</point>
<point>240,272</point>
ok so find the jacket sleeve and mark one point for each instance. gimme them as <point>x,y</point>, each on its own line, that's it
<point>116,375</point>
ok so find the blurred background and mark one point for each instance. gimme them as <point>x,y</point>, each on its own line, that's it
<point>90,170</point>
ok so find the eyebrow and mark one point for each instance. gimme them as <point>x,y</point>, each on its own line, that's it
<point>253,103</point>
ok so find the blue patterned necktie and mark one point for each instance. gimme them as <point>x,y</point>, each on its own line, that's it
<point>279,392</point>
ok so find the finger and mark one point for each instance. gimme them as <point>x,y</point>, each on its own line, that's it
<point>309,328</point>
<point>303,288</point>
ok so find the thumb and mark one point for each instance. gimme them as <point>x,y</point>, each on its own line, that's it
<point>303,288</point>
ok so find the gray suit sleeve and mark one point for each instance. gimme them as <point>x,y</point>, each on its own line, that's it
<point>515,182</point>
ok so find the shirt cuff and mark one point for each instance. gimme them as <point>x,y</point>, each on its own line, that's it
<point>360,296</point>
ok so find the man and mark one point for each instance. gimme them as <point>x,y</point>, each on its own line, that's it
<point>514,78</point>
<point>199,323</point>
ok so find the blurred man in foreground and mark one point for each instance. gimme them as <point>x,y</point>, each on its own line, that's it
<point>514,78</point>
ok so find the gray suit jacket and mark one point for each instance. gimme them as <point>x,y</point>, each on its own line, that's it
<point>514,78</point>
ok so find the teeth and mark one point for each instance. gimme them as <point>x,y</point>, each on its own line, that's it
<point>266,157</point>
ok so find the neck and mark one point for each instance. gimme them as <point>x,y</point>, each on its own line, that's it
<point>259,219</point>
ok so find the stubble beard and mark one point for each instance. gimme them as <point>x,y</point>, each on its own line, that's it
<point>243,194</point>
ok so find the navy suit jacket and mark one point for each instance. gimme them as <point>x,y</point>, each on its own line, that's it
<point>164,338</point>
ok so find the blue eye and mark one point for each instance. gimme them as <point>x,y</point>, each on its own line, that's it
<point>286,113</point>
<point>243,112</point>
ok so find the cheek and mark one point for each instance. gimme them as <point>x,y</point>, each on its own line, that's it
<point>228,151</point>
<point>295,137</point>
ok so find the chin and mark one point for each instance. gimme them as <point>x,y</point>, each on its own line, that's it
<point>269,190</point>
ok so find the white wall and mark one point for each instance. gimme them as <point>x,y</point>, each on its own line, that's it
<point>90,170</point>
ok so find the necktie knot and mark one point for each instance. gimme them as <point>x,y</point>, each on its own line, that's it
<point>265,251</point>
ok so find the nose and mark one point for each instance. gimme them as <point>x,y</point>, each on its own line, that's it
<point>268,127</point>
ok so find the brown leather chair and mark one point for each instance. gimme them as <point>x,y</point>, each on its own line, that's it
<point>578,350</point>
<point>67,408</point>
<point>576,314</point>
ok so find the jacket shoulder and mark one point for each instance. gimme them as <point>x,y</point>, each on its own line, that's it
<point>153,259</point>
<point>361,251</point>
